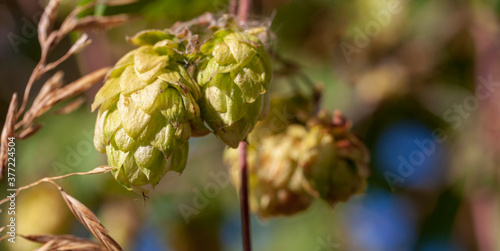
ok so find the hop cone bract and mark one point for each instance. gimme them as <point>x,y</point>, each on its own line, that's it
<point>334,160</point>
<point>234,78</point>
<point>147,109</point>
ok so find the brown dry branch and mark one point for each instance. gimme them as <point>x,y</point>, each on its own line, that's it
<point>81,212</point>
<point>6,235</point>
<point>97,170</point>
<point>7,131</point>
<point>64,242</point>
<point>89,220</point>
<point>51,94</point>
<point>47,20</point>
<point>71,106</point>
<point>53,91</point>
<point>93,22</point>
<point>28,132</point>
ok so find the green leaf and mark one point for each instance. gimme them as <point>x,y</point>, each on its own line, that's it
<point>233,134</point>
<point>215,93</point>
<point>236,107</point>
<point>246,81</point>
<point>134,119</point>
<point>217,38</point>
<point>170,105</point>
<point>165,140</point>
<point>148,64</point>
<point>170,76</point>
<point>127,59</point>
<point>110,89</point>
<point>198,128</point>
<point>179,158</point>
<point>116,158</point>
<point>150,37</point>
<point>189,82</point>
<point>242,52</point>
<point>129,82</point>
<point>222,54</point>
<point>123,141</point>
<point>191,107</point>
<point>99,141</point>
<point>183,132</point>
<point>132,173</point>
<point>117,71</point>
<point>146,97</point>
<point>213,68</point>
<point>111,123</point>
<point>169,48</point>
<point>146,157</point>
<point>157,170</point>
<point>157,122</point>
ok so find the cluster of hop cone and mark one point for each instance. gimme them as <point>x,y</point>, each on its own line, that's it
<point>314,155</point>
<point>172,87</point>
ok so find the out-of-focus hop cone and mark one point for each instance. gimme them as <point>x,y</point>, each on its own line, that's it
<point>234,77</point>
<point>275,179</point>
<point>148,110</point>
<point>333,159</point>
<point>312,156</point>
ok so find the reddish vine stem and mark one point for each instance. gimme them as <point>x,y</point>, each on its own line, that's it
<point>245,213</point>
<point>242,9</point>
<point>233,7</point>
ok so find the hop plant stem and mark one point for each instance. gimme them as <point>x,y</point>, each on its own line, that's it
<point>242,8</point>
<point>245,214</point>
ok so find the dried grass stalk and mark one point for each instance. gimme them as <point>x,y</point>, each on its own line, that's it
<point>90,221</point>
<point>53,91</point>
<point>47,20</point>
<point>44,103</point>
<point>97,170</point>
<point>77,103</point>
<point>81,212</point>
<point>64,242</point>
<point>93,22</point>
<point>7,131</point>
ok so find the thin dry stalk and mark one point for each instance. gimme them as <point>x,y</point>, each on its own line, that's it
<point>64,242</point>
<point>7,131</point>
<point>97,170</point>
<point>81,212</point>
<point>77,103</point>
<point>53,91</point>
<point>52,94</point>
<point>89,220</point>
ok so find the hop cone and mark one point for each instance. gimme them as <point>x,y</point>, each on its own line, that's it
<point>148,110</point>
<point>275,178</point>
<point>285,110</point>
<point>234,78</point>
<point>334,160</point>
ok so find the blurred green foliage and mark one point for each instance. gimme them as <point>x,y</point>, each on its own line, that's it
<point>424,61</point>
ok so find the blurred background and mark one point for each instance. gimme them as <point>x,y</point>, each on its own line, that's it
<point>420,79</point>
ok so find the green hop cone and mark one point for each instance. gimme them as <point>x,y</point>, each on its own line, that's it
<point>148,111</point>
<point>334,160</point>
<point>234,79</point>
<point>276,180</point>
